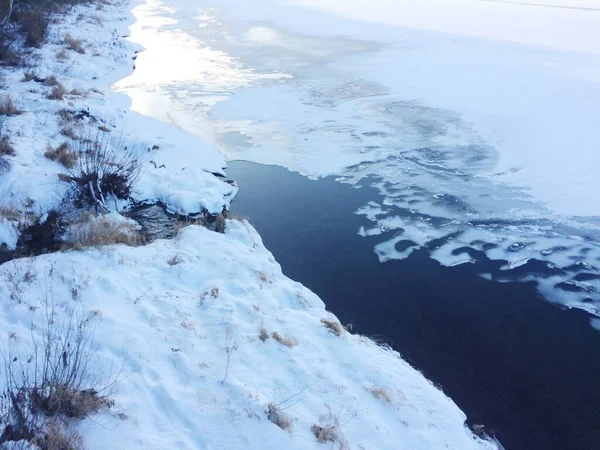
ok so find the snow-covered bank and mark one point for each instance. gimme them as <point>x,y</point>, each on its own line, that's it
<point>207,328</point>
<point>479,119</point>
<point>179,168</point>
<point>167,310</point>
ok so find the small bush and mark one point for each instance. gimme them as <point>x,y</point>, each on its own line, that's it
<point>334,327</point>
<point>46,389</point>
<point>30,75</point>
<point>278,417</point>
<point>8,107</point>
<point>62,154</point>
<point>35,25</point>
<point>74,44</point>
<point>284,340</point>
<point>105,167</point>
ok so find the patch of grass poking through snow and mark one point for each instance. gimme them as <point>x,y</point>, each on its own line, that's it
<point>380,394</point>
<point>176,259</point>
<point>74,44</point>
<point>262,333</point>
<point>102,230</point>
<point>333,326</point>
<point>8,107</point>
<point>62,154</point>
<point>278,417</point>
<point>6,149</point>
<point>58,92</point>
<point>329,427</point>
<point>284,340</point>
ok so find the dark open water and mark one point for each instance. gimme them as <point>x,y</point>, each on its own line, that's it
<point>525,368</point>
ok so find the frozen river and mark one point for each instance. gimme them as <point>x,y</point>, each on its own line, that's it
<point>480,119</point>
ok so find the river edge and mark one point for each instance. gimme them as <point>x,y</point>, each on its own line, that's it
<point>114,110</point>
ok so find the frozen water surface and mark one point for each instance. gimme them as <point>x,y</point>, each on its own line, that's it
<point>479,119</point>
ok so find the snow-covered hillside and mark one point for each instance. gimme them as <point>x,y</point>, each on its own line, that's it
<point>203,340</point>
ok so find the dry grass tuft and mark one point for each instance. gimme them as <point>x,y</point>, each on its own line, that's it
<point>8,107</point>
<point>262,333</point>
<point>57,437</point>
<point>62,55</point>
<point>99,231</point>
<point>62,154</point>
<point>284,340</point>
<point>278,417</point>
<point>6,149</point>
<point>51,81</point>
<point>381,394</point>
<point>58,92</point>
<point>74,44</point>
<point>176,259</point>
<point>334,327</point>
<point>69,132</point>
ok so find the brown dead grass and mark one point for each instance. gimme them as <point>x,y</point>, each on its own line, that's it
<point>262,333</point>
<point>278,417</point>
<point>8,107</point>
<point>284,340</point>
<point>333,326</point>
<point>99,231</point>
<point>62,154</point>
<point>6,149</point>
<point>74,44</point>
<point>58,92</point>
<point>381,394</point>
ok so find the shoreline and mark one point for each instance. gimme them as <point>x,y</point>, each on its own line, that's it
<point>429,417</point>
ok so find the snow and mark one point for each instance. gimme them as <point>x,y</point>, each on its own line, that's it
<point>167,324</point>
<point>165,312</point>
<point>9,234</point>
<point>180,167</point>
<point>476,118</point>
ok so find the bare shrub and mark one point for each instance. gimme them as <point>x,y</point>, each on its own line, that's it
<point>55,383</point>
<point>8,107</point>
<point>74,44</point>
<point>381,394</point>
<point>329,427</point>
<point>30,75</point>
<point>97,231</point>
<point>34,23</point>
<point>278,417</point>
<point>230,347</point>
<point>62,154</point>
<point>284,340</point>
<point>333,326</point>
<point>58,92</point>
<point>105,167</point>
